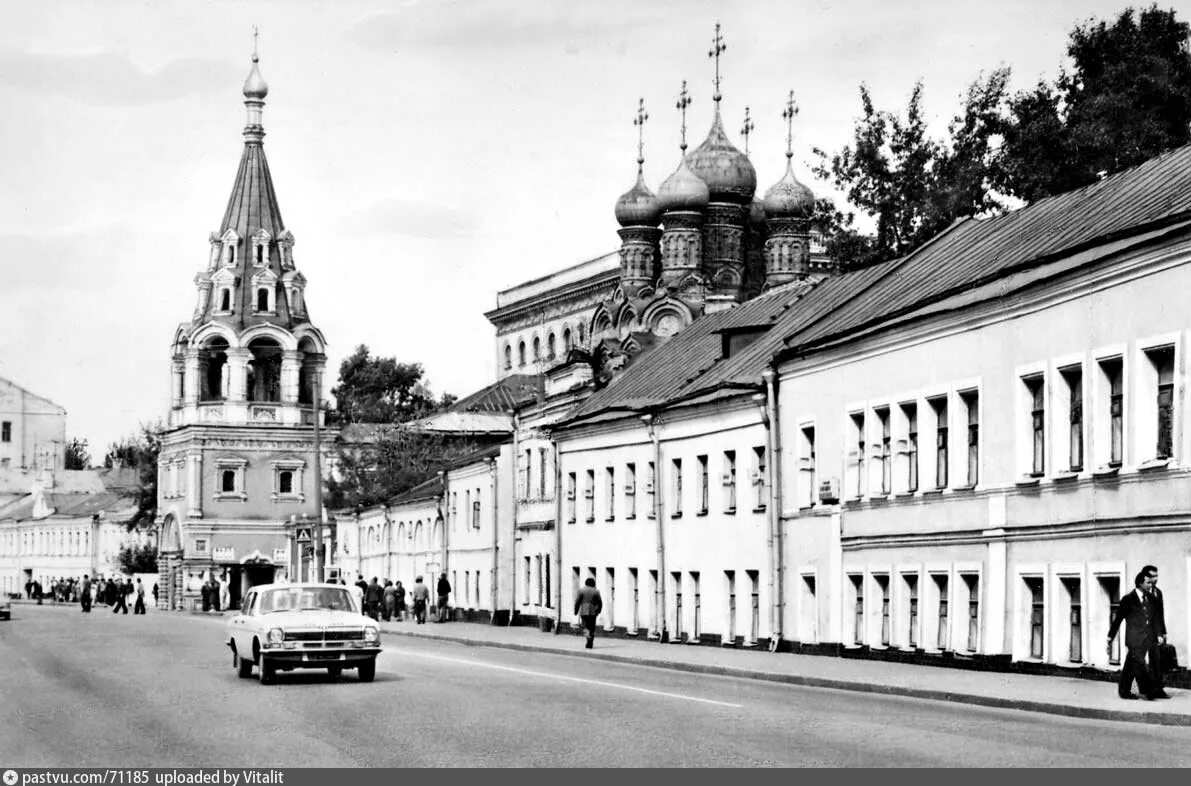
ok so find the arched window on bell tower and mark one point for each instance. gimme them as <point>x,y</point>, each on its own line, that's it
<point>508,356</point>
<point>213,370</point>
<point>537,349</point>
<point>550,348</point>
<point>262,299</point>
<point>264,370</point>
<point>521,353</point>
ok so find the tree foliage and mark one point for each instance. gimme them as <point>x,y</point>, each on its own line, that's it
<point>381,390</point>
<point>398,460</point>
<point>140,451</point>
<point>137,559</point>
<point>77,456</point>
<point>1125,97</point>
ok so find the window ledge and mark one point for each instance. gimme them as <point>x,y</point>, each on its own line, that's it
<point>677,515</point>
<point>762,508</point>
<point>905,495</point>
<point>609,518</point>
<point>729,511</point>
<point>701,513</point>
<point>630,517</point>
<point>279,497</point>
<point>1106,472</point>
<point>1065,477</point>
<point>964,488</point>
<point>590,519</point>
<point>239,495</point>
<point>932,492</point>
<point>1028,482</point>
<point>1153,464</point>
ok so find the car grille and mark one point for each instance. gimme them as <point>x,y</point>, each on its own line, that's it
<point>330,636</point>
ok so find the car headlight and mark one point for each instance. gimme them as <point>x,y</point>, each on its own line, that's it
<point>276,636</point>
<point>371,635</point>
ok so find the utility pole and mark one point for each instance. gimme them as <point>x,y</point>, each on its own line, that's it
<point>319,557</point>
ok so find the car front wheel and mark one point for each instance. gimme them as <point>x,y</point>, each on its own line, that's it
<point>334,671</point>
<point>243,667</point>
<point>368,670</point>
<point>268,673</point>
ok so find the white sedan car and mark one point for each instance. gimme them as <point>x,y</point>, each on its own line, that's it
<point>302,626</point>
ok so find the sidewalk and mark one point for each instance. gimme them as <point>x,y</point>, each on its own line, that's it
<point>1080,698</point>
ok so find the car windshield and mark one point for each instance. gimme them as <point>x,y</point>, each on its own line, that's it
<point>303,598</point>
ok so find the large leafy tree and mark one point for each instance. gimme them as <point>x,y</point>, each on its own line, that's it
<point>137,559</point>
<point>393,461</point>
<point>1126,97</point>
<point>140,451</point>
<point>380,390</point>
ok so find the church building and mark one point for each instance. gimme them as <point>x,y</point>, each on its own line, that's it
<point>237,472</point>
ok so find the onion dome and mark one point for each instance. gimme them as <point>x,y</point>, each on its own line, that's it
<point>254,85</point>
<point>638,206</point>
<point>728,173</point>
<point>789,198</point>
<point>683,190</point>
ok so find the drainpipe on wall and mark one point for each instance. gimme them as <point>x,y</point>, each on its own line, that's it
<point>492,463</point>
<point>774,469</point>
<point>558,571</point>
<point>662,633</point>
<point>516,503</point>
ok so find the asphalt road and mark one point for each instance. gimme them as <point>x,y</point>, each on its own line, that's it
<point>159,691</point>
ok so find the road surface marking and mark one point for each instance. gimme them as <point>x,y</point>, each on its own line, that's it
<point>565,678</point>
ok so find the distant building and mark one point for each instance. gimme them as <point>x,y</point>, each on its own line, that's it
<point>32,430</point>
<point>237,481</point>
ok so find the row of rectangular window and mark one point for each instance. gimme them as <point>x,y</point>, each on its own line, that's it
<point>728,482</point>
<point>471,506</point>
<point>684,588</point>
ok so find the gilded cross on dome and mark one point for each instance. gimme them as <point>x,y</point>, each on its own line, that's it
<point>255,33</point>
<point>717,48</point>
<point>746,129</point>
<point>639,122</point>
<point>788,115</point>
<point>684,100</point>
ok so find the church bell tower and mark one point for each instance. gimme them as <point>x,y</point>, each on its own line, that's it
<point>237,471</point>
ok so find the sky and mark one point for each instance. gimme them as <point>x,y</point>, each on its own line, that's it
<point>427,154</point>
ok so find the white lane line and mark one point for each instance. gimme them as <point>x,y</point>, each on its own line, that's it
<point>564,678</point>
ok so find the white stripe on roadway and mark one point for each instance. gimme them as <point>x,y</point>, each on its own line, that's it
<point>564,677</point>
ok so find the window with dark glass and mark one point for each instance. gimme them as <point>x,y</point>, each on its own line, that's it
<point>676,468</point>
<point>589,495</point>
<point>1075,620</point>
<point>858,431</point>
<point>942,641</point>
<point>858,616</point>
<point>883,583</point>
<point>1037,616</point>
<point>939,405</point>
<point>1163,360</point>
<point>886,450</point>
<point>729,481</point>
<point>1116,410</point>
<point>630,490</point>
<point>6,431</point>
<point>228,482</point>
<point>973,582</point>
<point>912,589</point>
<point>911,412</point>
<point>759,488</point>
<point>703,484</point>
<point>285,482</point>
<point>1037,394</point>
<point>971,400</point>
<point>651,491</point>
<point>1074,378</point>
<point>226,302</point>
<point>262,300</point>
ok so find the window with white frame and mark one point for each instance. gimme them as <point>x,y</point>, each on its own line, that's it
<point>1070,394</point>
<point>475,510</point>
<point>287,481</point>
<point>543,473</point>
<point>856,581</point>
<point>1035,388</point>
<point>571,484</point>
<point>758,478</point>
<point>1109,417</point>
<point>651,484</point>
<point>729,480</point>
<point>1036,616</point>
<point>609,493</point>
<point>704,485</point>
<point>857,457</point>
<point>910,416</point>
<point>971,401</point>
<point>885,456</point>
<point>676,488</point>
<point>972,582</point>
<point>938,407</point>
<point>230,472</point>
<point>883,590</point>
<point>589,496</point>
<point>912,616</point>
<point>942,611</point>
<point>630,490</point>
<point>1158,387</point>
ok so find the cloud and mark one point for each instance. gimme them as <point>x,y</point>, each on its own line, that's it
<point>109,79</point>
<point>472,26</point>
<point>413,218</point>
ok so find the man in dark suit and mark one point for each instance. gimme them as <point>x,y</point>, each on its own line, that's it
<point>1139,611</point>
<point>1156,667</point>
<point>588,605</point>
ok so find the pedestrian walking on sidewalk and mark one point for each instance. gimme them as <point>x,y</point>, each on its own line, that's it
<point>444,592</point>
<point>373,595</point>
<point>390,601</point>
<point>421,597</point>
<point>1138,611</point>
<point>588,605</point>
<point>139,606</point>
<point>85,594</point>
<point>1157,667</point>
<point>121,601</point>
<point>399,602</point>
